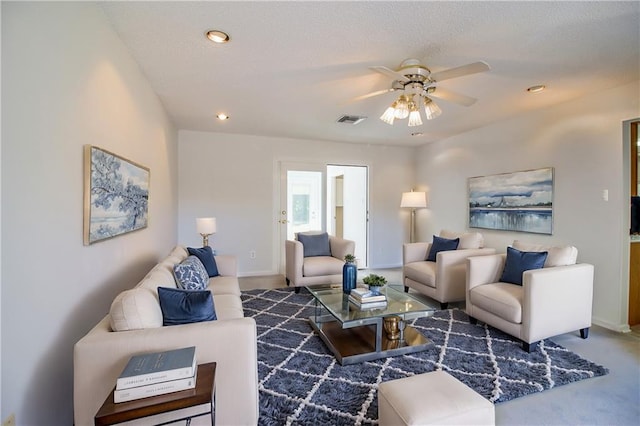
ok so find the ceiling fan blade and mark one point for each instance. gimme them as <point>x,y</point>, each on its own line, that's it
<point>372,94</point>
<point>450,96</point>
<point>390,73</point>
<point>461,71</point>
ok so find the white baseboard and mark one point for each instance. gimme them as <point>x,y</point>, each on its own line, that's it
<point>620,328</point>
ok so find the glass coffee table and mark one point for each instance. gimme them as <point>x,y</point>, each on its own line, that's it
<point>355,335</point>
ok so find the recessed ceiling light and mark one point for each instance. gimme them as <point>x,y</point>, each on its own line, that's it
<point>222,117</point>
<point>537,88</point>
<point>217,36</point>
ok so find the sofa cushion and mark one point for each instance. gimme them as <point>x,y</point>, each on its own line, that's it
<point>179,251</point>
<point>160,276</point>
<point>190,274</point>
<point>441,244</point>
<point>422,272</point>
<point>228,306</point>
<point>558,255</point>
<point>519,261</point>
<point>501,299</point>
<point>205,254</point>
<point>321,265</point>
<point>315,244</point>
<point>185,306</point>
<point>468,240</point>
<point>224,285</point>
<point>135,309</point>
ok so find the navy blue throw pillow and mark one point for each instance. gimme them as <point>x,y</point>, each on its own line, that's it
<point>185,306</point>
<point>315,244</point>
<point>205,254</point>
<point>519,261</point>
<point>441,244</point>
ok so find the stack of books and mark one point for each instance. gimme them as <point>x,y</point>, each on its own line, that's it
<point>157,373</point>
<point>363,299</point>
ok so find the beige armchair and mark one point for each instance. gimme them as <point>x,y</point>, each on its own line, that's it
<point>553,300</point>
<point>316,269</point>
<point>444,279</point>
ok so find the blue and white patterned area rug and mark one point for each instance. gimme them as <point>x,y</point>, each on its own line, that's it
<point>301,383</point>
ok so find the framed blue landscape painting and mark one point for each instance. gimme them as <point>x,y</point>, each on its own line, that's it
<point>518,201</point>
<point>116,195</point>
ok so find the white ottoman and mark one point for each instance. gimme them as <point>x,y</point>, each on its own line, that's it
<point>435,398</point>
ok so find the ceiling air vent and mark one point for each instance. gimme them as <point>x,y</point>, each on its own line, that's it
<point>351,119</point>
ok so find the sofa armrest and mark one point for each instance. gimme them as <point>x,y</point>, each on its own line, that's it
<point>415,252</point>
<point>451,266</point>
<point>294,256</point>
<point>484,270</point>
<point>341,247</point>
<point>100,356</point>
<point>445,259</point>
<point>227,265</point>
<point>557,300</point>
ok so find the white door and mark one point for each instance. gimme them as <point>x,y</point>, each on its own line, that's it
<point>302,202</point>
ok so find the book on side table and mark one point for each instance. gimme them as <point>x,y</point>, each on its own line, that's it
<point>157,373</point>
<point>145,391</point>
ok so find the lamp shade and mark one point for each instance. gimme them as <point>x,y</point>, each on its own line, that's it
<point>206,225</point>
<point>414,200</point>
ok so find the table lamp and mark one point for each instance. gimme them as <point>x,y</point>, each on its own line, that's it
<point>206,226</point>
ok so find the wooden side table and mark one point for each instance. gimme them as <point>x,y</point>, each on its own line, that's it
<point>111,413</point>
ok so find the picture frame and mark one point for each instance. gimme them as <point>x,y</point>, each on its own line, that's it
<point>116,195</point>
<point>518,201</point>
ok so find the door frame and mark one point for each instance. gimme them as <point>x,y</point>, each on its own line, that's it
<point>278,261</point>
<point>281,167</point>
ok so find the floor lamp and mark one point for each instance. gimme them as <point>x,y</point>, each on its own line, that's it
<point>413,200</point>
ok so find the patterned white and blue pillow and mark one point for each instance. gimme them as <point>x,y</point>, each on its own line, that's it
<point>190,274</point>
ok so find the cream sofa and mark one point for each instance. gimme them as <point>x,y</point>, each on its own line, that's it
<point>100,356</point>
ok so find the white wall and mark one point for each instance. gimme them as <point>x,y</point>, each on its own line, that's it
<point>67,80</point>
<point>582,141</point>
<point>233,177</point>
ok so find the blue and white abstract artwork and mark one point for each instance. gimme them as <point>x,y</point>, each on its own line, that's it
<point>518,201</point>
<point>116,195</point>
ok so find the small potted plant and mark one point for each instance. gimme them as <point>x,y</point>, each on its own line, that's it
<point>375,282</point>
<point>349,258</point>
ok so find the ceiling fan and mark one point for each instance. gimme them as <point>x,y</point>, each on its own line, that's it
<point>417,83</point>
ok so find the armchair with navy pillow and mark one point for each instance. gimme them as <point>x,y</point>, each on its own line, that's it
<point>315,258</point>
<point>532,292</point>
<point>438,269</point>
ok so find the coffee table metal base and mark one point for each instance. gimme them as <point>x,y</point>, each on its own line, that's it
<point>358,344</point>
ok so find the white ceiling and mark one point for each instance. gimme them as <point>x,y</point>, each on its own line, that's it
<point>292,68</point>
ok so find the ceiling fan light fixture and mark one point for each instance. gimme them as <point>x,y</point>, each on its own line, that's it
<point>414,114</point>
<point>389,115</point>
<point>402,107</point>
<point>415,119</point>
<point>431,110</point>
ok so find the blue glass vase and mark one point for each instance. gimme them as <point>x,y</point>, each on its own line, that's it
<point>349,277</point>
